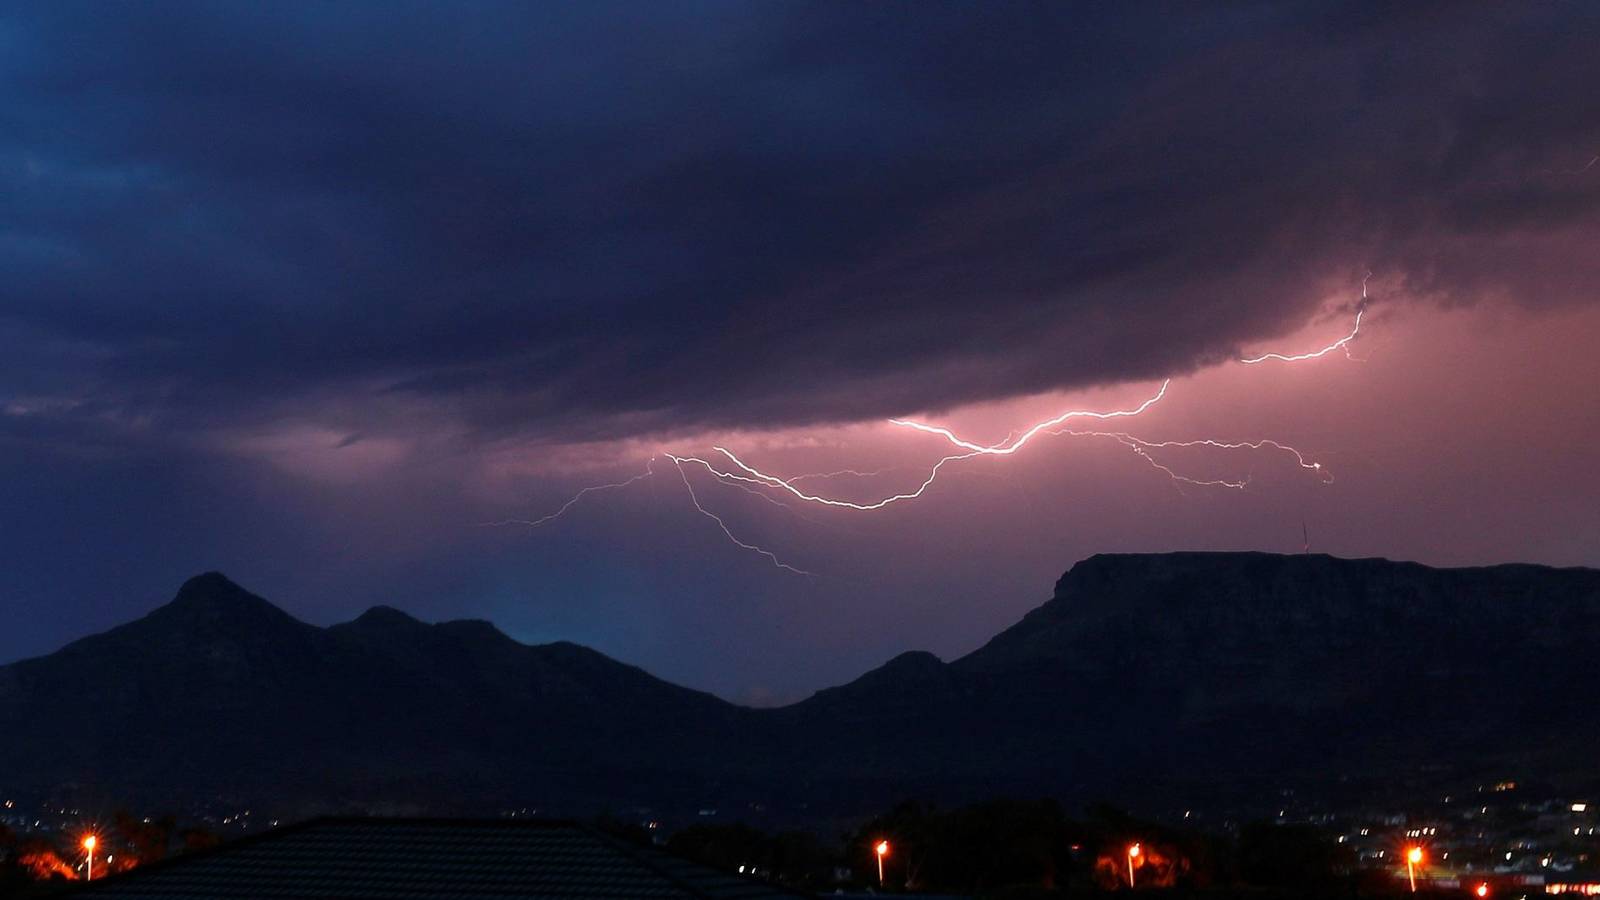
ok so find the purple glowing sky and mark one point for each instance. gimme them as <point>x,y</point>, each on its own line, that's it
<point>308,296</point>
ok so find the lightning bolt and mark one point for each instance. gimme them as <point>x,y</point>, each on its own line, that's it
<point>724,525</point>
<point>1139,444</point>
<point>1144,454</point>
<point>693,498</point>
<point>840,473</point>
<point>754,481</point>
<point>755,476</point>
<point>594,488</point>
<point>765,497</point>
<point>1006,449</point>
<point>1341,344</point>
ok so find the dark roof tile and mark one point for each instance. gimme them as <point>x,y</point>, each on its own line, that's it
<point>354,859</point>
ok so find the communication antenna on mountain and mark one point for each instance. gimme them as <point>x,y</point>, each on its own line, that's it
<point>1305,535</point>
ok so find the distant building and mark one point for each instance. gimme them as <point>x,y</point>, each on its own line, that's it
<point>1585,884</point>
<point>400,858</point>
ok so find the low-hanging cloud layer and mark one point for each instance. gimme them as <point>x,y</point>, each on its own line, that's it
<point>304,291</point>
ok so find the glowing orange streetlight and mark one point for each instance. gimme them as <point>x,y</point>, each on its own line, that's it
<point>1413,859</point>
<point>1133,854</point>
<point>1482,889</point>
<point>88,844</point>
<point>881,849</point>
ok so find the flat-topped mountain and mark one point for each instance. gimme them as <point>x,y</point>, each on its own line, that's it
<point>1219,666</point>
<point>1185,668</point>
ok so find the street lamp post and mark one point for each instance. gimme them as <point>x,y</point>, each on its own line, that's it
<point>1413,859</point>
<point>882,850</point>
<point>88,844</point>
<point>1133,854</point>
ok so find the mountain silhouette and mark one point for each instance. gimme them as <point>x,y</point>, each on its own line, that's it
<point>1144,672</point>
<point>1221,669</point>
<point>219,692</point>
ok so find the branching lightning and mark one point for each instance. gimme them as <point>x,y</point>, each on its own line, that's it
<point>1178,479</point>
<point>767,498</point>
<point>1006,449</point>
<point>734,471</point>
<point>1142,447</point>
<point>724,525</point>
<point>693,498</point>
<point>755,476</point>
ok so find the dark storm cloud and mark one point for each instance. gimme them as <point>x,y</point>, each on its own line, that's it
<point>592,220</point>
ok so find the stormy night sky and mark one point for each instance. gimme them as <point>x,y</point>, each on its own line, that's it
<point>314,297</point>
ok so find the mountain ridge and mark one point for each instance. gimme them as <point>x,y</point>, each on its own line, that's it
<point>1219,667</point>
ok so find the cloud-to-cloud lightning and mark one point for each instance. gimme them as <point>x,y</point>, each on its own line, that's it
<point>593,488</point>
<point>755,476</point>
<point>1142,448</point>
<point>1006,449</point>
<point>753,480</point>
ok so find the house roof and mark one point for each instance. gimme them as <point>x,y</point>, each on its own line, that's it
<point>351,858</point>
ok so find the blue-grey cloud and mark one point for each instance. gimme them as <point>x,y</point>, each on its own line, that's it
<point>614,218</point>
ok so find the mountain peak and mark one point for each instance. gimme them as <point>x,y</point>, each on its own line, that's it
<point>386,617</point>
<point>912,673</point>
<point>214,589</point>
<point>208,584</point>
<point>213,597</point>
<point>913,662</point>
<point>479,630</point>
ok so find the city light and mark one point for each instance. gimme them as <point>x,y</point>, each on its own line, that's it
<point>88,845</point>
<point>1413,859</point>
<point>1482,890</point>
<point>1133,854</point>
<point>882,850</point>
